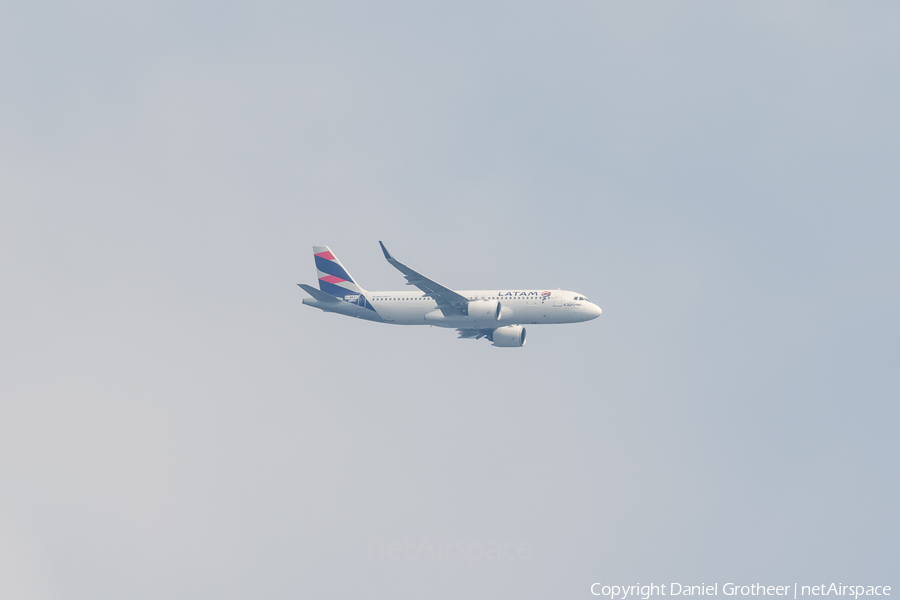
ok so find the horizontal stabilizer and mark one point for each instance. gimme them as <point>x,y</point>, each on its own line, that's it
<point>318,294</point>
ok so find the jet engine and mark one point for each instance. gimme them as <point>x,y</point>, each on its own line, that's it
<point>483,310</point>
<point>512,336</point>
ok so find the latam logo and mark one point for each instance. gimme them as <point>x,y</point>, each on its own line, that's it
<point>543,295</point>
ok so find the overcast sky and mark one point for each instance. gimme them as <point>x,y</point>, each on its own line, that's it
<point>721,178</point>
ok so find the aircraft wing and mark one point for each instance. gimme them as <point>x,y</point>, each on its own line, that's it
<point>475,333</point>
<point>448,301</point>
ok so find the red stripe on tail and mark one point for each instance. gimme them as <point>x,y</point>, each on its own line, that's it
<point>332,279</point>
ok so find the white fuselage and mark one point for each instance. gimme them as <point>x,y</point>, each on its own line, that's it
<point>518,307</point>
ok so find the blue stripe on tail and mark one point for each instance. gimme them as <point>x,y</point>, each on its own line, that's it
<point>332,268</point>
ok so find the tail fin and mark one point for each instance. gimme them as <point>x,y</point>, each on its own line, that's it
<point>333,277</point>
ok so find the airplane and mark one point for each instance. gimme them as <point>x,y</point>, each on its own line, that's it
<point>498,315</point>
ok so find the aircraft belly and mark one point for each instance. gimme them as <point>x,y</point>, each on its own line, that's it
<point>412,315</point>
<point>369,315</point>
<point>438,319</point>
<point>404,315</point>
<point>388,313</point>
<point>560,315</point>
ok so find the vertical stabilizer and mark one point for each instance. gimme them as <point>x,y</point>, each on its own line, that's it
<point>333,277</point>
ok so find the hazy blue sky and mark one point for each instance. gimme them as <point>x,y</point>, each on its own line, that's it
<point>721,178</point>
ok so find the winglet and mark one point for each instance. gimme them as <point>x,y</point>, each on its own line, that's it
<point>387,254</point>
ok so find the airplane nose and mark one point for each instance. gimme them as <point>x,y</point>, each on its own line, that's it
<point>595,310</point>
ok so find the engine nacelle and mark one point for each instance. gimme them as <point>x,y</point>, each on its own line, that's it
<point>511,336</point>
<point>484,310</point>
